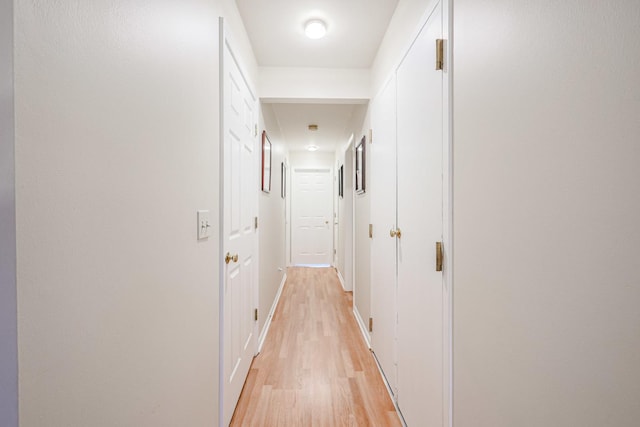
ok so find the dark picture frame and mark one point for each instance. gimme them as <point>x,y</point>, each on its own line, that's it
<point>266,162</point>
<point>341,181</point>
<point>361,160</point>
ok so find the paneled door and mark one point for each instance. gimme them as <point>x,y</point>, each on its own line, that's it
<point>419,221</point>
<point>239,238</point>
<point>312,217</point>
<point>383,242</point>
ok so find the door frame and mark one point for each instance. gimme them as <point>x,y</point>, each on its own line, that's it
<point>226,42</point>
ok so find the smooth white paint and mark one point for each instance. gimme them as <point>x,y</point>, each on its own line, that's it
<point>332,120</point>
<point>344,245</point>
<point>267,323</point>
<point>322,85</point>
<point>383,218</point>
<point>271,226</point>
<point>307,160</point>
<point>312,217</point>
<point>363,326</point>
<point>546,183</point>
<point>407,19</point>
<point>419,217</point>
<point>354,31</point>
<point>361,242</point>
<point>116,118</point>
<point>8,316</point>
<point>240,151</point>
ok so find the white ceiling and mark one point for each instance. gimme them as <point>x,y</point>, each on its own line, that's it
<point>354,31</point>
<point>332,120</point>
<point>276,31</point>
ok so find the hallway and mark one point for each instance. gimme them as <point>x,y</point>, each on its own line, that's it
<point>314,368</point>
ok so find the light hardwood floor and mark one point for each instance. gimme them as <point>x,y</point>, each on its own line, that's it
<point>314,368</point>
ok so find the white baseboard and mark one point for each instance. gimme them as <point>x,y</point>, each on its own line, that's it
<point>341,279</point>
<point>363,327</point>
<point>391,396</point>
<point>267,324</point>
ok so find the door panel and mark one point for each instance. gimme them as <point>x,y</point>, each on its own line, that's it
<point>420,326</point>
<point>312,216</point>
<point>383,218</point>
<point>238,234</point>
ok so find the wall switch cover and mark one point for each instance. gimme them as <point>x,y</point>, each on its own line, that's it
<point>204,225</point>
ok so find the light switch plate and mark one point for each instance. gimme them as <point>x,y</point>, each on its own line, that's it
<point>204,225</point>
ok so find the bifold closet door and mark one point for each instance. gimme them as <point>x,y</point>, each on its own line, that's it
<point>383,218</point>
<point>419,151</point>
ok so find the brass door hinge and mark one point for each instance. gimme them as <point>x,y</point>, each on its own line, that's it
<point>371,231</point>
<point>255,314</point>
<point>439,256</point>
<point>439,54</point>
<point>370,324</point>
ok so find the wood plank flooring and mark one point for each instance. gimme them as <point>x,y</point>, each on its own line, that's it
<point>314,368</point>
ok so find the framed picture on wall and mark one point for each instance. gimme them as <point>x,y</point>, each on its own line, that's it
<point>283,180</point>
<point>266,162</point>
<point>360,166</point>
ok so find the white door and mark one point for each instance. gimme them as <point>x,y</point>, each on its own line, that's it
<point>383,218</point>
<point>420,141</point>
<point>240,191</point>
<point>312,217</point>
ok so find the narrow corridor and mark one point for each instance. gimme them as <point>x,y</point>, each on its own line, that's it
<point>315,368</point>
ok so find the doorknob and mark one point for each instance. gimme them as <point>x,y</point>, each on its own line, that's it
<point>395,233</point>
<point>228,258</point>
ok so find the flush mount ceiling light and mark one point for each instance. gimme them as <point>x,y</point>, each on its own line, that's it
<point>315,29</point>
<point>312,147</point>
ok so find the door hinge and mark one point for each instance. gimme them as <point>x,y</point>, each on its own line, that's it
<point>370,324</point>
<point>370,136</point>
<point>439,54</point>
<point>371,231</point>
<point>334,251</point>
<point>255,222</point>
<point>439,256</point>
<point>255,314</point>
<point>255,131</point>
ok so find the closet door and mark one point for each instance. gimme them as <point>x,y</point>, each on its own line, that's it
<point>419,151</point>
<point>383,218</point>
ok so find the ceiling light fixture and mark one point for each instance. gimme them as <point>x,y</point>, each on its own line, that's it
<point>312,147</point>
<point>315,29</point>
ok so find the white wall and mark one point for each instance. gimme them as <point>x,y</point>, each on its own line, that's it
<point>311,160</point>
<point>546,184</point>
<point>344,157</point>
<point>271,226</point>
<point>314,84</point>
<point>116,149</point>
<point>8,319</point>
<point>360,126</point>
<point>402,30</point>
